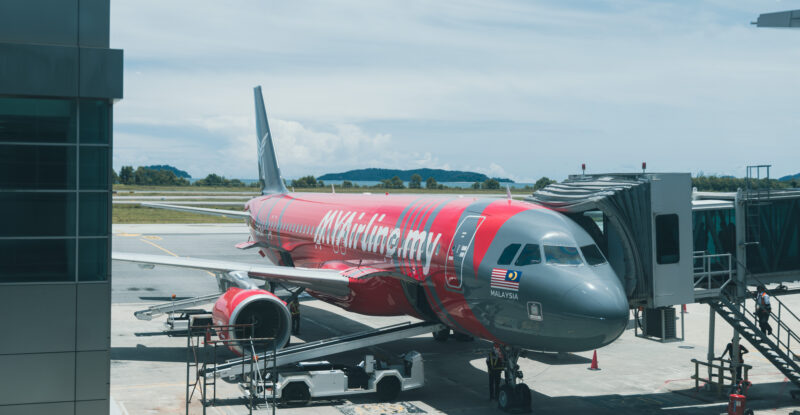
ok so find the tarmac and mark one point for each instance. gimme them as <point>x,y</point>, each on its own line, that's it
<point>636,376</point>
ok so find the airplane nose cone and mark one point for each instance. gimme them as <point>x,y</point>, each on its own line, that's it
<point>602,312</point>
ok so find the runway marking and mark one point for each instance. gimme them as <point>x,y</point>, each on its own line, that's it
<point>127,234</point>
<point>159,247</point>
<point>152,237</point>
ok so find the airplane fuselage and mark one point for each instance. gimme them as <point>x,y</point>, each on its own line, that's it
<point>511,272</point>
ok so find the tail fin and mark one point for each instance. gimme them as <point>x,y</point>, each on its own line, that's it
<point>268,171</point>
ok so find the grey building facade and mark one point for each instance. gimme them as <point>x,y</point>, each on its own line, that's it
<point>58,83</point>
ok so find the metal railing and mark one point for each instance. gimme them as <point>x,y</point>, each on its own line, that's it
<point>251,374</point>
<point>720,375</point>
<point>712,271</point>
<point>783,334</point>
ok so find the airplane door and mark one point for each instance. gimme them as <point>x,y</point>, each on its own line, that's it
<point>459,248</point>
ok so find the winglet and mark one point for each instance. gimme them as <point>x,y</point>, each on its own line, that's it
<point>268,171</point>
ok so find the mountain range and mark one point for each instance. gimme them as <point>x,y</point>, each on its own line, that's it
<point>439,175</point>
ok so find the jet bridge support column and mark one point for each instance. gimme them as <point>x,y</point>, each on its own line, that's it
<point>741,245</point>
<point>712,318</point>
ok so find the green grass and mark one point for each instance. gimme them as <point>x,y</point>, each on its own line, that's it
<point>131,213</point>
<point>138,214</point>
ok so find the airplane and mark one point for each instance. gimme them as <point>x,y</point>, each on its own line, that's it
<point>514,273</point>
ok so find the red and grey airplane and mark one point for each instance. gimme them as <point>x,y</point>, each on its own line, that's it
<point>514,273</point>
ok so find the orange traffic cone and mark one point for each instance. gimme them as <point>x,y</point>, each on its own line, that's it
<point>594,362</point>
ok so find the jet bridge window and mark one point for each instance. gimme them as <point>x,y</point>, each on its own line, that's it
<point>530,255</point>
<point>593,255</point>
<point>562,255</point>
<point>508,254</point>
<point>667,239</point>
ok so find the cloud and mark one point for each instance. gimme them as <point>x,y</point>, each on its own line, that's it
<point>523,89</point>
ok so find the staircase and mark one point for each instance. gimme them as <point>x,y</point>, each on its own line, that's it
<point>777,348</point>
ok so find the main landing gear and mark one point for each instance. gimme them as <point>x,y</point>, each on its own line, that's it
<point>514,396</point>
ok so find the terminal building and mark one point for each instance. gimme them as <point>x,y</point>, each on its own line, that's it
<point>58,82</point>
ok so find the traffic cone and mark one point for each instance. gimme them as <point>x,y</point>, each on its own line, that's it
<point>594,362</point>
<point>684,309</point>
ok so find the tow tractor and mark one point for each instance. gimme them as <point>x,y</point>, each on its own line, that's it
<point>298,383</point>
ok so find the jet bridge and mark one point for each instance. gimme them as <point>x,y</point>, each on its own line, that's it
<point>642,223</point>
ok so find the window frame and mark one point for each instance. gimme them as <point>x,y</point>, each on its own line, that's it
<point>513,256</point>
<point>521,252</point>
<point>577,254</point>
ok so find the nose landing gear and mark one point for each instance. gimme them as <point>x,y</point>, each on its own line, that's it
<point>514,396</point>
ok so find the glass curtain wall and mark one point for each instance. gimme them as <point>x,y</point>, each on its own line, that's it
<point>54,189</point>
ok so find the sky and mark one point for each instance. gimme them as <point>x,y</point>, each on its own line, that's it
<point>508,88</point>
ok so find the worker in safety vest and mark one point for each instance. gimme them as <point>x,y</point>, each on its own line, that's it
<point>742,351</point>
<point>294,308</point>
<point>763,310</point>
<point>495,365</point>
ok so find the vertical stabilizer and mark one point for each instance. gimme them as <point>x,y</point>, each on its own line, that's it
<point>268,171</point>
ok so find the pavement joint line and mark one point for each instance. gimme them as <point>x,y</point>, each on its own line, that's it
<point>145,386</point>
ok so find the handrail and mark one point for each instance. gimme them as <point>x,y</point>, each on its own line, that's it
<point>778,318</point>
<point>720,375</point>
<point>704,271</point>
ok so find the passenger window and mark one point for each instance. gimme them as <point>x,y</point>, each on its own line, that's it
<point>508,254</point>
<point>562,255</point>
<point>593,255</point>
<point>667,239</point>
<point>530,255</point>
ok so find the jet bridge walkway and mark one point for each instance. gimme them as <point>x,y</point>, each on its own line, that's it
<point>325,347</point>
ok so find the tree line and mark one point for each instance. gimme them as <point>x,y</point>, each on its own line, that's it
<point>414,183</point>
<point>144,176</point>
<point>731,184</point>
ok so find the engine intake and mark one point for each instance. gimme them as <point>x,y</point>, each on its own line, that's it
<point>269,315</point>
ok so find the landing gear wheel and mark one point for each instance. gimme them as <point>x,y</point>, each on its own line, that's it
<point>388,389</point>
<point>296,394</point>
<point>748,412</point>
<point>441,335</point>
<point>462,337</point>
<point>523,393</point>
<point>505,398</point>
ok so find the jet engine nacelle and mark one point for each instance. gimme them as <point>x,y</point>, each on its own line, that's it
<point>269,315</point>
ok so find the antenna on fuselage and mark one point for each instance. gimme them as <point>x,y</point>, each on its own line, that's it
<point>333,189</point>
<point>508,192</point>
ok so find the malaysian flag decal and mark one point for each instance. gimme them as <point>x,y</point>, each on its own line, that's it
<point>505,279</point>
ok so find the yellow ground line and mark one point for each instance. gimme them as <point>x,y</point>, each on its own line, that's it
<point>167,251</point>
<point>159,247</point>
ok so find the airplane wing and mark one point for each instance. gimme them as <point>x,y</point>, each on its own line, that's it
<point>326,281</point>
<point>206,211</point>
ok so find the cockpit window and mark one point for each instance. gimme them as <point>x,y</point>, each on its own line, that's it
<point>508,254</point>
<point>593,255</point>
<point>562,255</point>
<point>530,255</point>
